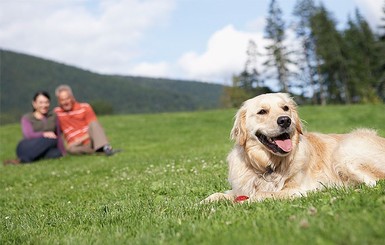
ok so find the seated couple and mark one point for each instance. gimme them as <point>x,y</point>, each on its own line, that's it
<point>44,131</point>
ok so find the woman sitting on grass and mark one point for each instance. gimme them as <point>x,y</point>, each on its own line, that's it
<point>41,134</point>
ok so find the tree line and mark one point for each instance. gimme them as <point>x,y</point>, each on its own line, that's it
<point>330,66</point>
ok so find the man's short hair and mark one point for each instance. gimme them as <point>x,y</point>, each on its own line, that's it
<point>63,87</point>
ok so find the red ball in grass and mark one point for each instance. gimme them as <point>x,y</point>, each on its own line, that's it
<point>241,198</point>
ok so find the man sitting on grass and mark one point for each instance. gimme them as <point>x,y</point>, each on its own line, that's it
<point>82,131</point>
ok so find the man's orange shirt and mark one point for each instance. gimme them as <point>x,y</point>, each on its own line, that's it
<point>74,123</point>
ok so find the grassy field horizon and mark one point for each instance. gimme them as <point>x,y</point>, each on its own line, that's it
<point>150,192</point>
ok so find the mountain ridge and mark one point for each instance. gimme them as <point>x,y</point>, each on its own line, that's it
<point>21,75</point>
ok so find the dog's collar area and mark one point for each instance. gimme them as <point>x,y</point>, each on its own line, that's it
<point>269,170</point>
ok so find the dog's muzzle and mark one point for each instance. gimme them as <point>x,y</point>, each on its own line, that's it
<point>284,121</point>
<point>281,144</point>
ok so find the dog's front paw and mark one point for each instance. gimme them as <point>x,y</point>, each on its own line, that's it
<point>217,197</point>
<point>370,183</point>
<point>256,198</point>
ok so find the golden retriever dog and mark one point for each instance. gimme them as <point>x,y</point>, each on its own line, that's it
<point>274,158</point>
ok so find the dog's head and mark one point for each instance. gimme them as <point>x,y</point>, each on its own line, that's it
<point>269,121</point>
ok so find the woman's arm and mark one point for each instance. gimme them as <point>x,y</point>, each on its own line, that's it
<point>27,129</point>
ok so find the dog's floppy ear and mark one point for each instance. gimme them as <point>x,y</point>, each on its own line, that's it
<point>297,121</point>
<point>298,125</point>
<point>238,132</point>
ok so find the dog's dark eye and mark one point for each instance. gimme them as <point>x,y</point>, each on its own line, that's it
<point>285,108</point>
<point>262,112</point>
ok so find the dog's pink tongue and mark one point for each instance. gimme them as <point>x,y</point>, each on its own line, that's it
<point>285,144</point>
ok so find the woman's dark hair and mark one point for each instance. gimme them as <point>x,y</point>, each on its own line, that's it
<point>44,93</point>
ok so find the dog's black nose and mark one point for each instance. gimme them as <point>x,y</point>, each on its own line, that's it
<point>284,121</point>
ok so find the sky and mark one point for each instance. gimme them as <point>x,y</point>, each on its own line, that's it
<point>201,40</point>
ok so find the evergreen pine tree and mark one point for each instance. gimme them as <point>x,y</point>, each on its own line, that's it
<point>331,56</point>
<point>381,62</point>
<point>251,65</point>
<point>304,10</point>
<point>277,53</point>
<point>248,83</point>
<point>362,54</point>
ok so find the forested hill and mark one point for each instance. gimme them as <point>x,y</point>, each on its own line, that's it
<point>22,75</point>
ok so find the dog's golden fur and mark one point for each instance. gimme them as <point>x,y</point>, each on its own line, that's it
<point>273,157</point>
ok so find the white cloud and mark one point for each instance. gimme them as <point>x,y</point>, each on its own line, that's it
<point>225,55</point>
<point>160,69</point>
<point>95,37</point>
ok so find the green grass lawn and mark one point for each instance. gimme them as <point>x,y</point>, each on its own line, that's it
<point>149,193</point>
